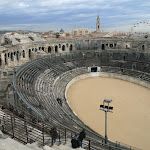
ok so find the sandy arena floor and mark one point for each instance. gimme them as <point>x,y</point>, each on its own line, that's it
<point>130,121</point>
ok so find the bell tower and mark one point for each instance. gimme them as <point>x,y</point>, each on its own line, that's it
<point>98,24</point>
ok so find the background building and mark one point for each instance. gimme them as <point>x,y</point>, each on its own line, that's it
<point>80,31</point>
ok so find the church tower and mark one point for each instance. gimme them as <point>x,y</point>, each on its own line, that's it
<point>98,24</point>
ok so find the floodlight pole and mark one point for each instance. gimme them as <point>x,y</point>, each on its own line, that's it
<point>106,109</point>
<point>106,138</point>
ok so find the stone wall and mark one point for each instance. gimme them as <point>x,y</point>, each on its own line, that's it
<point>119,52</point>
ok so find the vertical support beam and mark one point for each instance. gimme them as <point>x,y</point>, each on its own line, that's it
<point>4,124</point>
<point>89,144</point>
<point>26,127</point>
<point>65,136</point>
<point>59,137</point>
<point>12,127</point>
<point>106,127</point>
<point>43,133</point>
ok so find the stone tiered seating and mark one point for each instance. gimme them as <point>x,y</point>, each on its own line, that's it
<point>42,81</point>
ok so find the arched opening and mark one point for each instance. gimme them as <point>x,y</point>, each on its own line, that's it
<point>0,61</point>
<point>71,47</point>
<point>111,45</point>
<point>143,47</point>
<point>56,49</point>
<point>43,48</point>
<point>137,56</point>
<point>124,57</point>
<point>17,55</point>
<point>67,45</point>
<point>79,47</point>
<point>8,54</point>
<point>39,48</point>
<point>23,54</point>
<point>103,46</point>
<point>59,45</point>
<point>32,49</point>
<point>98,26</point>
<point>63,48</point>
<point>35,49</point>
<point>49,49</point>
<point>5,59</point>
<point>11,56</point>
<point>95,46</point>
<point>29,53</point>
<point>133,66</point>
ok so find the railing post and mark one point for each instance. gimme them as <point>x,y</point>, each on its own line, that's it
<point>59,137</point>
<point>12,127</point>
<point>25,124</point>
<point>4,124</point>
<point>65,136</point>
<point>43,133</point>
<point>89,144</point>
<point>52,141</point>
<point>71,135</point>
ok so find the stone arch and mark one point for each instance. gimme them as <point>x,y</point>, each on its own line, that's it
<point>32,49</point>
<point>67,45</point>
<point>134,66</point>
<point>71,47</point>
<point>23,54</point>
<point>59,45</point>
<point>11,56</point>
<point>125,56</point>
<point>8,54</point>
<point>35,49</point>
<point>95,46</point>
<point>43,48</point>
<point>63,48</point>
<point>79,47</point>
<point>111,45</point>
<point>29,53</point>
<point>137,56</point>
<point>17,55</point>
<point>5,56</point>
<point>56,49</point>
<point>103,46</point>
<point>49,49</point>
<point>143,47</point>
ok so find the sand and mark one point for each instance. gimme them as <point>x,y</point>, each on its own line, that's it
<point>130,121</point>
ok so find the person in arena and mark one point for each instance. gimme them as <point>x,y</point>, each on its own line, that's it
<point>81,137</point>
<point>54,134</point>
<point>75,142</point>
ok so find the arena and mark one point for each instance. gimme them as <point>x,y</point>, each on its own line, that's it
<point>43,71</point>
<point>128,122</point>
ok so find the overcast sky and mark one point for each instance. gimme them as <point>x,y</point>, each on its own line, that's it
<point>45,15</point>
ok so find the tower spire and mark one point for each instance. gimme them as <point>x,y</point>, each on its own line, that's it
<point>98,24</point>
<point>98,15</point>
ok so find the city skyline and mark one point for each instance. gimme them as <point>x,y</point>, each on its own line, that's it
<point>48,15</point>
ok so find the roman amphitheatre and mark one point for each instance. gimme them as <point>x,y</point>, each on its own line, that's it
<point>37,72</point>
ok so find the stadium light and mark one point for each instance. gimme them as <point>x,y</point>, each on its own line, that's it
<point>106,108</point>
